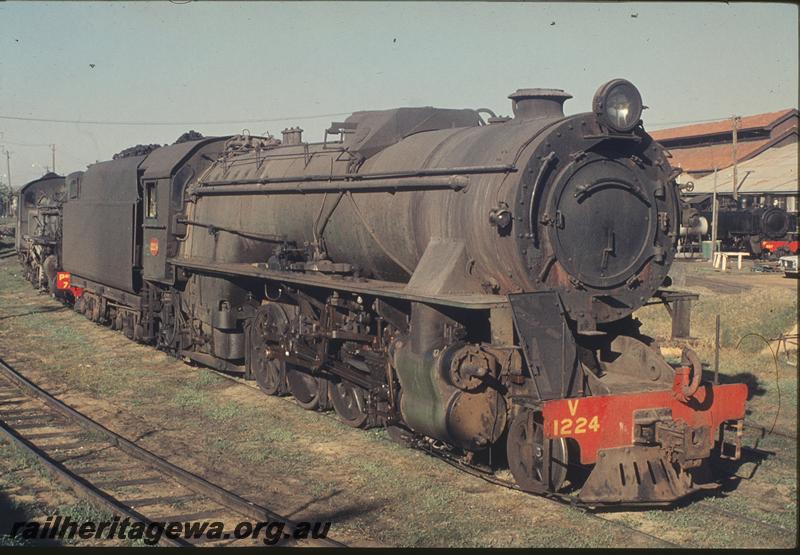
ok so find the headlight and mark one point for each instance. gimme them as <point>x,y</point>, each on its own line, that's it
<point>618,105</point>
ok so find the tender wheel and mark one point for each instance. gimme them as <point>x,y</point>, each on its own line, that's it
<point>270,376</point>
<point>305,388</point>
<point>127,326</point>
<point>350,403</point>
<point>86,306</point>
<point>525,450</point>
<point>97,310</point>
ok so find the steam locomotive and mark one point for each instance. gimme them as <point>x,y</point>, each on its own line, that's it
<point>759,230</point>
<point>467,284</point>
<point>38,229</point>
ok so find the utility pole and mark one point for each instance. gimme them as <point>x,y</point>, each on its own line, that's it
<point>53,149</point>
<point>8,167</point>
<point>736,122</point>
<point>714,216</point>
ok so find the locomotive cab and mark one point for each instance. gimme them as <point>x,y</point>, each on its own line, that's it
<point>167,172</point>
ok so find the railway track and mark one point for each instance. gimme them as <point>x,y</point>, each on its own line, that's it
<point>128,480</point>
<point>738,516</point>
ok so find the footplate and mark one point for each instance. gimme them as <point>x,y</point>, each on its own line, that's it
<point>635,475</point>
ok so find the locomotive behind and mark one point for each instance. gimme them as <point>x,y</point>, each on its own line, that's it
<point>38,235</point>
<point>759,230</point>
<point>469,285</point>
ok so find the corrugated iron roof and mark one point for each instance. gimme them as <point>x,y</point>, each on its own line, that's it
<point>773,171</point>
<point>708,157</point>
<point>757,121</point>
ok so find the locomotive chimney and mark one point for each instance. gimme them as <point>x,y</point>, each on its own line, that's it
<point>292,136</point>
<point>538,103</point>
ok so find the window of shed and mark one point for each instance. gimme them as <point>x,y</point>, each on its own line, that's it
<point>150,201</point>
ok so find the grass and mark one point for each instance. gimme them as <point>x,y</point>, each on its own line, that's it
<point>275,442</point>
<point>323,489</point>
<point>727,532</point>
<point>768,312</point>
<point>785,516</point>
<point>20,459</point>
<point>83,511</point>
<point>227,412</point>
<point>207,378</point>
<point>188,397</point>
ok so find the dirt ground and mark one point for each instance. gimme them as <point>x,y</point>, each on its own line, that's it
<point>309,466</point>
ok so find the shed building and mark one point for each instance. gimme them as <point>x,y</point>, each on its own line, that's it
<point>768,179</point>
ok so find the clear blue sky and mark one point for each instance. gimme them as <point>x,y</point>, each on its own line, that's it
<point>204,61</point>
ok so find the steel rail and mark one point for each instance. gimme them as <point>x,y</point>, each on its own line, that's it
<point>214,492</point>
<point>80,486</point>
<point>734,514</point>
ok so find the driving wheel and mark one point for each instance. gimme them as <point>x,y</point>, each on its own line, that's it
<point>270,376</point>
<point>350,403</point>
<point>309,391</point>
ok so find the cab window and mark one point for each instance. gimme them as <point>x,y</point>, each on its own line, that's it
<point>150,201</point>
